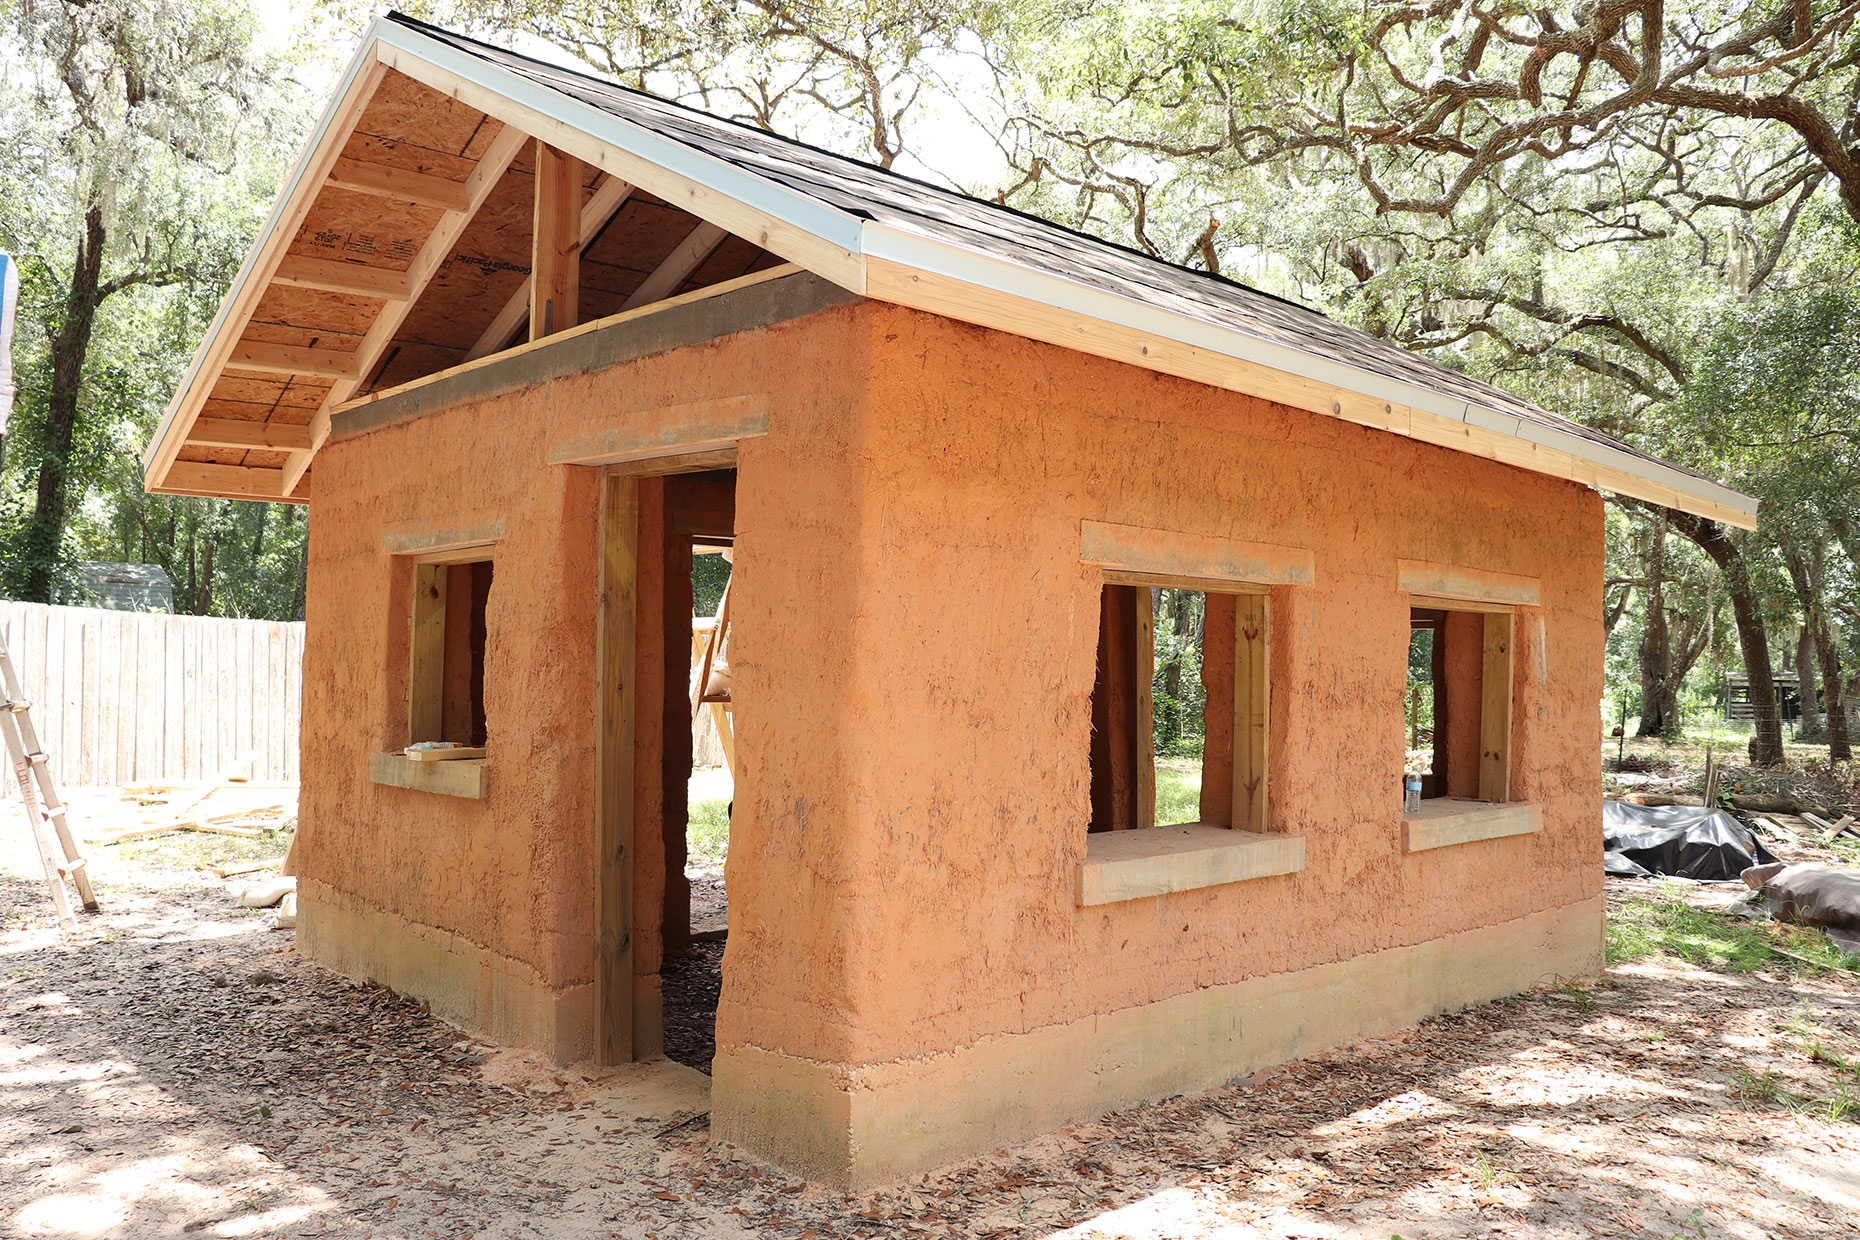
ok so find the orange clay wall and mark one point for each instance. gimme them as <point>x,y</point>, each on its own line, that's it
<point>913,654</point>
<point>485,907</point>
<point>945,824</point>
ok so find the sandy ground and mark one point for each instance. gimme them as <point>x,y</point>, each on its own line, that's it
<point>173,1069</point>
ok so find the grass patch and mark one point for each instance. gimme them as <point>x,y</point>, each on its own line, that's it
<point>1178,791</point>
<point>194,850</point>
<point>707,830</point>
<point>1665,925</point>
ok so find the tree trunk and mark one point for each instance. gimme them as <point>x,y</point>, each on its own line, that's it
<point>1766,747</point>
<point>1808,584</point>
<point>1810,720</point>
<point>45,533</point>
<point>1659,713</point>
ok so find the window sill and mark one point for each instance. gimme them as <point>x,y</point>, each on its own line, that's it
<point>464,777</point>
<point>1442,823</point>
<point>1129,865</point>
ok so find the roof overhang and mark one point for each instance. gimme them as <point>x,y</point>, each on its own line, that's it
<point>896,264</point>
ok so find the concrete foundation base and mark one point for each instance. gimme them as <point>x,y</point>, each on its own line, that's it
<point>856,1127</point>
<point>465,984</point>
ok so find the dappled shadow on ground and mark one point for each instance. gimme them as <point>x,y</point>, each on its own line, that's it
<point>173,1069</point>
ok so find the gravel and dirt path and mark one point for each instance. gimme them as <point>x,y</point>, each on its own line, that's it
<point>174,1070</point>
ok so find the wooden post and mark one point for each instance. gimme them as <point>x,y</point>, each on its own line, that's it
<point>1252,711</point>
<point>1495,709</point>
<point>1143,654</point>
<point>426,665</point>
<point>555,243</point>
<point>617,705</point>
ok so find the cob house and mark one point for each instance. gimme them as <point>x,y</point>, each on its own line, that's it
<point>526,343</point>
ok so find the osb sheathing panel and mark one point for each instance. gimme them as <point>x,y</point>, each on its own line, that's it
<point>512,873</point>
<point>315,311</point>
<point>403,110</point>
<point>210,456</point>
<point>365,228</point>
<point>407,156</point>
<point>488,265</point>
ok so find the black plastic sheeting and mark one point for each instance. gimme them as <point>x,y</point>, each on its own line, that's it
<point>1685,841</point>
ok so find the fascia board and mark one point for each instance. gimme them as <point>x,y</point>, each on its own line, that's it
<point>909,248</point>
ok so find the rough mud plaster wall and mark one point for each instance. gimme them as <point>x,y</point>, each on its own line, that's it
<point>976,637</point>
<point>497,872</point>
<point>512,873</point>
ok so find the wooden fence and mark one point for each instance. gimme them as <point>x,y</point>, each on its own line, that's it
<point>127,697</point>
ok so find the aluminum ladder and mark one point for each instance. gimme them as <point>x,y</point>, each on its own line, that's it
<point>39,797</point>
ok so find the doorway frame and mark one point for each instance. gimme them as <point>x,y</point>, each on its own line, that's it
<point>617,1007</point>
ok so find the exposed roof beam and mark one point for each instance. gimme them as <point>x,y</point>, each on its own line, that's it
<point>287,359</point>
<point>399,183</point>
<point>699,244</point>
<point>484,178</point>
<point>609,196</point>
<point>204,478</point>
<point>341,277</point>
<point>555,243</point>
<point>234,433</point>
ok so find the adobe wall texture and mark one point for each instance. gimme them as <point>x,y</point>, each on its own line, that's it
<point>945,832</point>
<point>907,978</point>
<point>485,907</point>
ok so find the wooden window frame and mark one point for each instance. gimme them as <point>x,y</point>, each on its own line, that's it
<point>426,647</point>
<point>1497,685</point>
<point>1250,808</point>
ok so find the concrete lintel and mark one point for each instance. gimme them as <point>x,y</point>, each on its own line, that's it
<point>424,537</point>
<point>1176,554</point>
<point>1155,861</point>
<point>1473,585</point>
<point>462,778</point>
<point>675,327</point>
<point>667,431</point>
<point>1438,824</point>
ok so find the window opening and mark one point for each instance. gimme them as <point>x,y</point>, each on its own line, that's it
<point>1179,709</point>
<point>446,673</point>
<point>1458,703</point>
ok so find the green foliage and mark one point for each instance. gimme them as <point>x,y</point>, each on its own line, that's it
<point>1178,792</point>
<point>140,147</point>
<point>707,830</point>
<point>709,575</point>
<point>1178,699</point>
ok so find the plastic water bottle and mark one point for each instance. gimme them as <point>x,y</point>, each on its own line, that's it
<point>1411,798</point>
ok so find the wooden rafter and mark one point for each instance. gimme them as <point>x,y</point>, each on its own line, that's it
<point>335,276</point>
<point>345,111</point>
<point>555,243</point>
<point>699,244</point>
<point>484,178</point>
<point>286,359</point>
<point>234,433</point>
<point>400,184</point>
<point>609,196</point>
<point>205,478</point>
